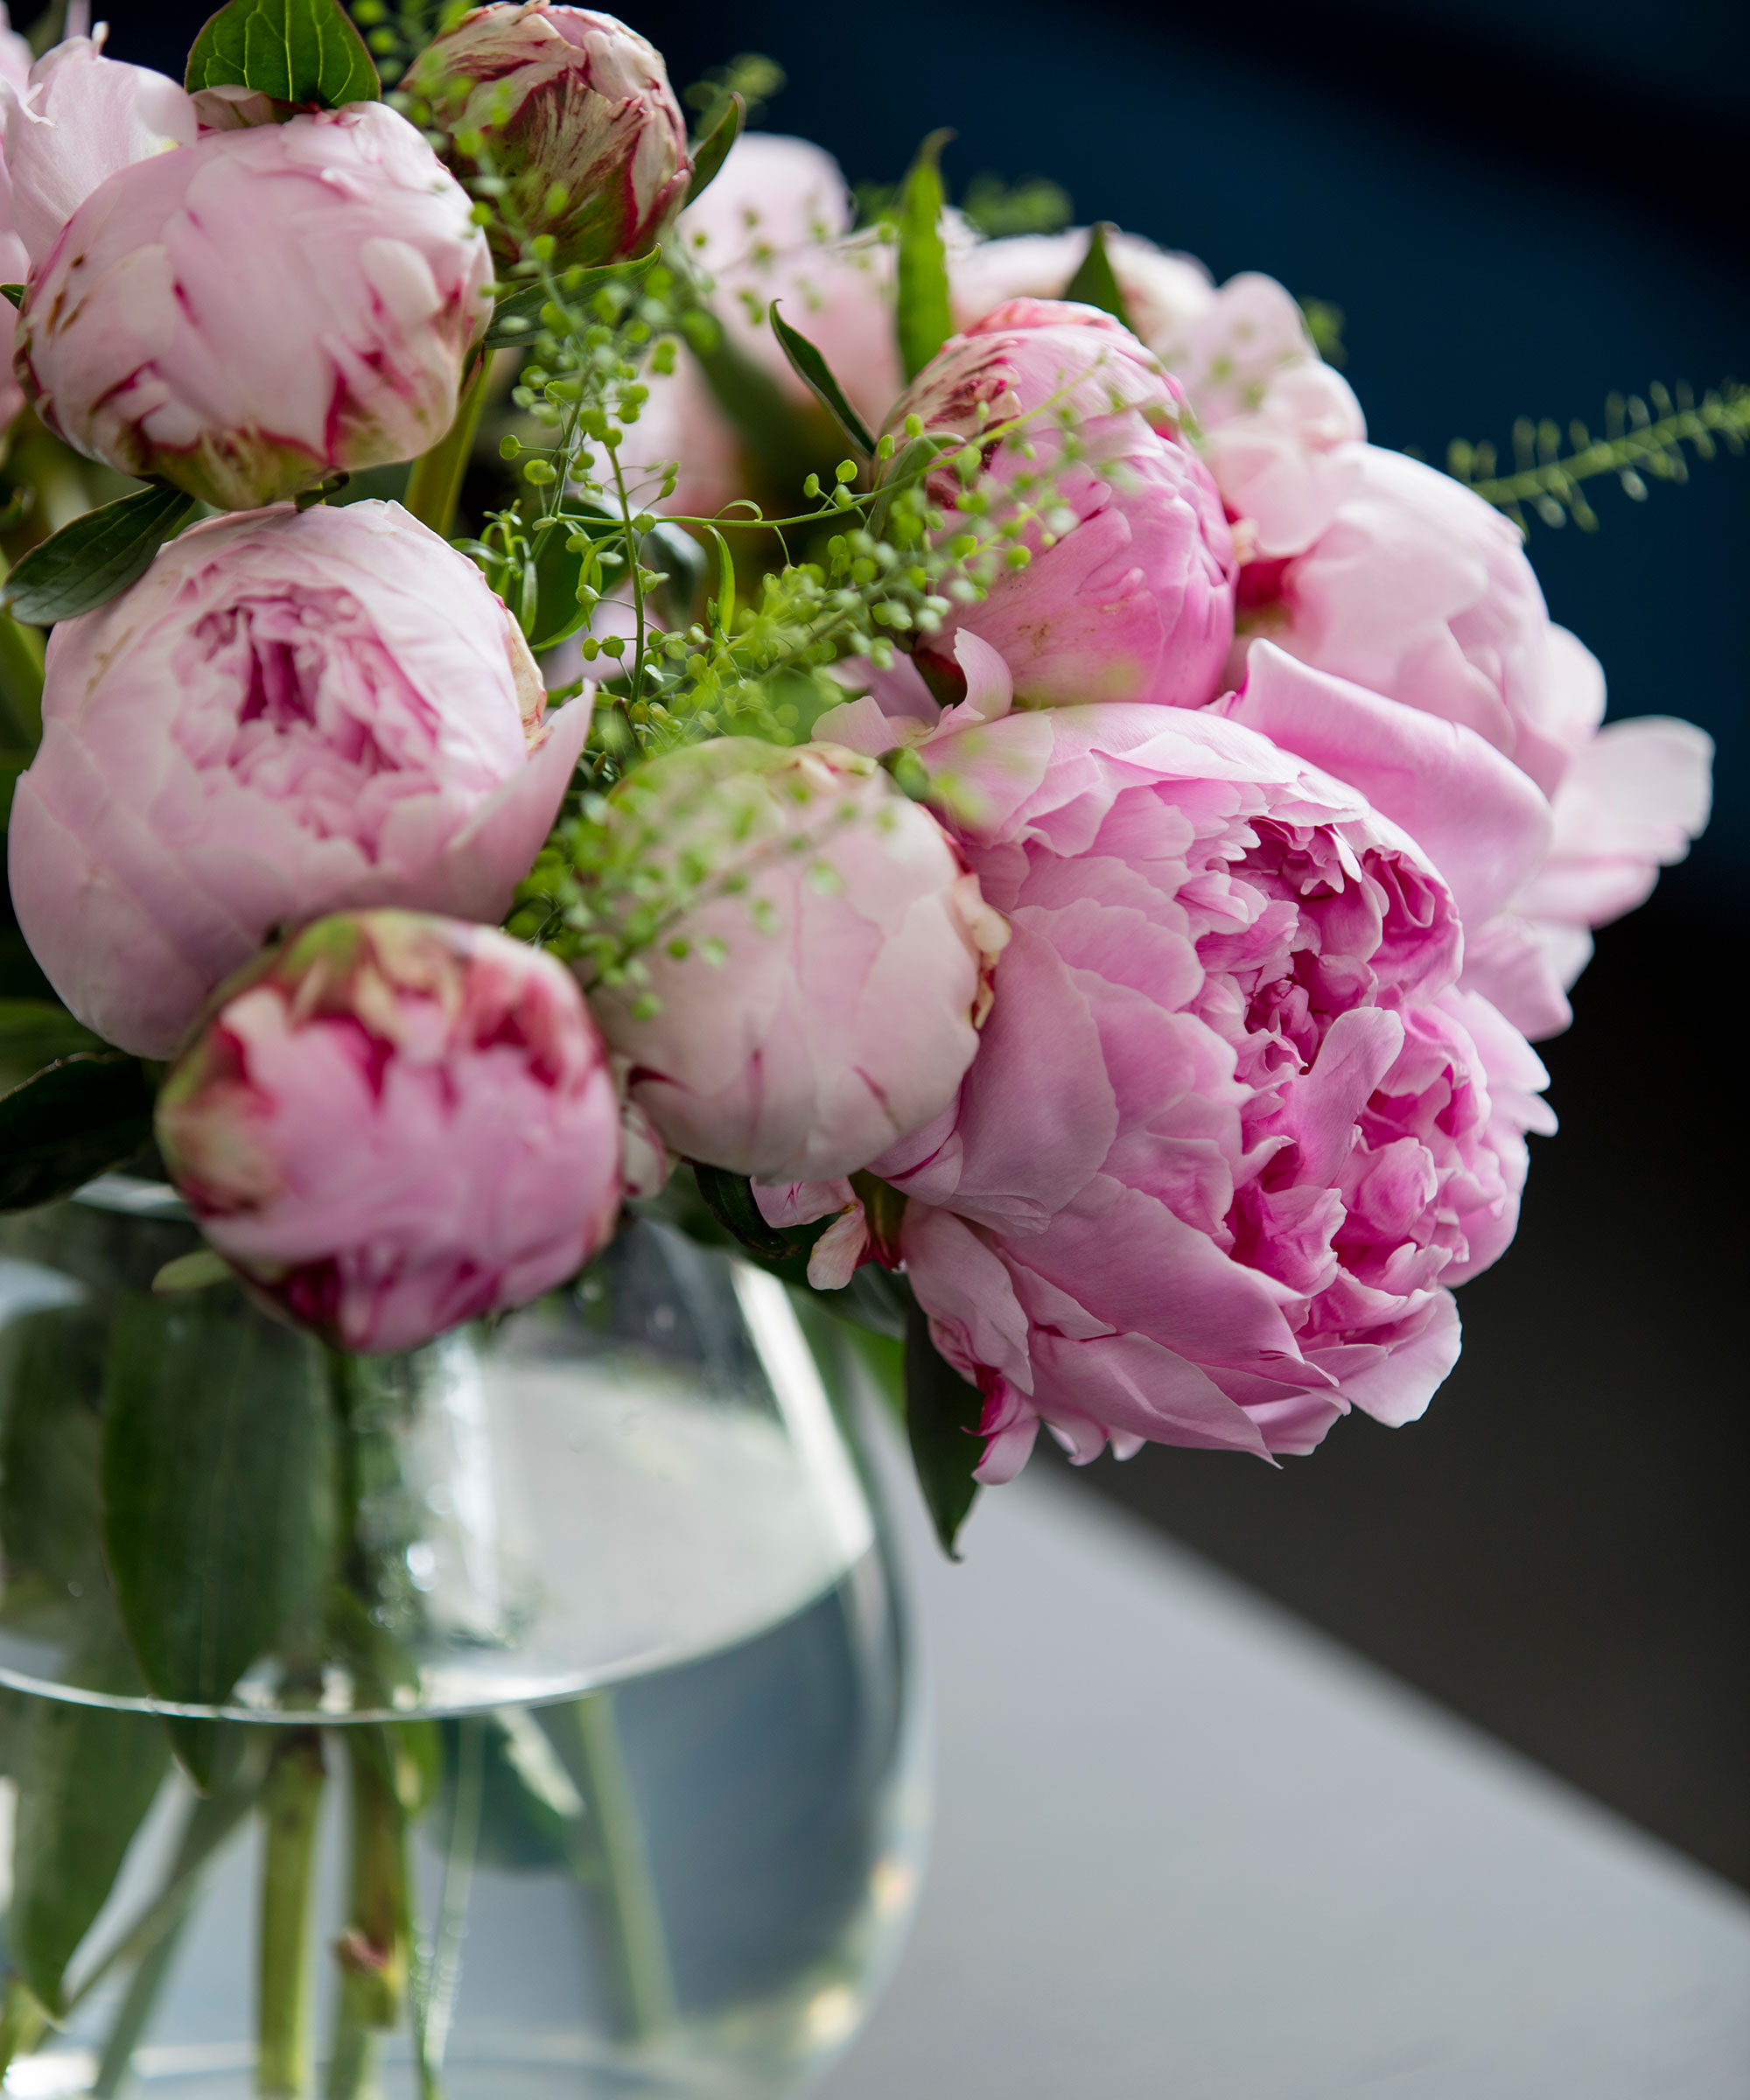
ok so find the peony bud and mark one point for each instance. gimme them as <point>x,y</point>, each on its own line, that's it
<point>79,119</point>
<point>290,713</point>
<point>577,115</point>
<point>249,314</point>
<point>1130,592</point>
<point>395,1123</point>
<point>812,958</point>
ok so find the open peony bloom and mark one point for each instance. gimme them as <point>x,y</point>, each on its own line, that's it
<point>577,115</point>
<point>395,1123</point>
<point>774,225</point>
<point>248,314</point>
<point>290,713</point>
<point>76,121</point>
<point>1414,588</point>
<point>1232,1132</point>
<point>813,958</point>
<point>1133,598</point>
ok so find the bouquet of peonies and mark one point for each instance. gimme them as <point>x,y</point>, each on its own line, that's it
<point>947,759</point>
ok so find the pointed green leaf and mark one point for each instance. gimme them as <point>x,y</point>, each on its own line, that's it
<point>1096,282</point>
<point>723,604</point>
<point>296,51</point>
<point>70,1121</point>
<point>813,370</point>
<point>943,1418</point>
<point>711,151</point>
<point>86,1777</point>
<point>925,314</point>
<point>219,1484</point>
<point>14,292</point>
<point>91,561</point>
<point>516,319</point>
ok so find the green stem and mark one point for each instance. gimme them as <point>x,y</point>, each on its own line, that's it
<point>436,481</point>
<point>445,1970</point>
<point>22,2020</point>
<point>290,1805</point>
<point>21,677</point>
<point>373,1950</point>
<point>143,1996</point>
<point>634,1914</point>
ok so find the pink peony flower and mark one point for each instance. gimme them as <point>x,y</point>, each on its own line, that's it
<point>78,119</point>
<point>289,713</point>
<point>774,225</point>
<point>577,115</point>
<point>1232,1132</point>
<point>1132,599</point>
<point>250,313</point>
<point>1418,590</point>
<point>15,260</point>
<point>812,958</point>
<point>393,1123</point>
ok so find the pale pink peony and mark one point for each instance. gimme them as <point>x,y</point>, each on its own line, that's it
<point>1232,1132</point>
<point>774,225</point>
<point>1418,590</point>
<point>810,956</point>
<point>248,314</point>
<point>290,713</point>
<point>395,1123</point>
<point>15,259</point>
<point>1132,599</point>
<point>578,118</point>
<point>79,119</point>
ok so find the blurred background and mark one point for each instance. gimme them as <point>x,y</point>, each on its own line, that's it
<point>1520,206</point>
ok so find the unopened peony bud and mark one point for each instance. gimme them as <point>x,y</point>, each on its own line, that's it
<point>290,713</point>
<point>575,112</point>
<point>395,1123</point>
<point>249,314</point>
<point>814,958</point>
<point>1129,594</point>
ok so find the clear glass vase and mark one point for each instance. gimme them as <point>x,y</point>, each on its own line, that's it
<point>530,1716</point>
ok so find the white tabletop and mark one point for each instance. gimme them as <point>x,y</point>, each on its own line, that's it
<point>1186,1849</point>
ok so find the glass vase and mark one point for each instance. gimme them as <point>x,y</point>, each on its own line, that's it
<point>529,1716</point>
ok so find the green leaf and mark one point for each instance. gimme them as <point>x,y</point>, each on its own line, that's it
<point>1095,283</point>
<point>713,149</point>
<point>516,319</point>
<point>14,292</point>
<point>86,1777</point>
<point>925,315</point>
<point>34,1033</point>
<point>13,764</point>
<point>219,1488</point>
<point>943,1418</point>
<point>96,557</point>
<point>70,1121</point>
<point>813,370</point>
<point>296,51</point>
<point>51,1456</point>
<point>729,1199</point>
<point>723,605</point>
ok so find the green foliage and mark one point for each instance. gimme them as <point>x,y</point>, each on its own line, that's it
<point>520,314</point>
<point>1639,441</point>
<point>730,1198</point>
<point>86,1777</point>
<point>1095,283</point>
<point>1035,205</point>
<point>943,1418</point>
<point>219,1486</point>
<point>34,1033</point>
<point>924,314</point>
<point>298,51</point>
<point>710,149</point>
<point>73,1120</point>
<point>750,76</point>
<point>1325,324</point>
<point>96,557</point>
<point>814,372</point>
<point>14,293</point>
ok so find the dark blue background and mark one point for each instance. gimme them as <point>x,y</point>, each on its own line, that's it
<point>1521,205</point>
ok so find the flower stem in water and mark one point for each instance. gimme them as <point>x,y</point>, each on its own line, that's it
<point>291,1805</point>
<point>634,1915</point>
<point>373,1950</point>
<point>22,2022</point>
